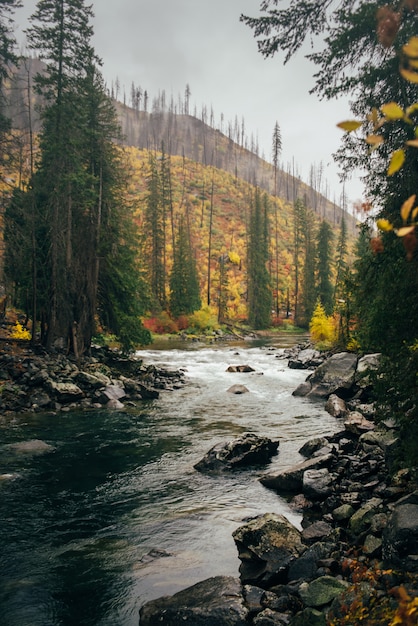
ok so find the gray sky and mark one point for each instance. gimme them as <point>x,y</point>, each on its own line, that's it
<point>167,44</point>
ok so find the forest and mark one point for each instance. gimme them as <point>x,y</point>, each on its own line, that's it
<point>111,227</point>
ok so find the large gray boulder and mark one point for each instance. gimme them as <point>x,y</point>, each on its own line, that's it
<point>400,538</point>
<point>291,480</point>
<point>249,449</point>
<point>216,601</point>
<point>266,547</point>
<point>65,392</point>
<point>336,374</point>
<point>322,590</point>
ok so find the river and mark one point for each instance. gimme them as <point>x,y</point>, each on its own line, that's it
<point>113,514</point>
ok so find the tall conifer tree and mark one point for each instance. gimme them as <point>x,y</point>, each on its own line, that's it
<point>259,288</point>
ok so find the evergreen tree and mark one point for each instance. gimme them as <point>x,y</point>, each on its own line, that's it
<point>340,263</point>
<point>7,56</point>
<point>154,237</point>
<point>259,289</point>
<point>184,283</point>
<point>309,255</point>
<point>81,221</point>
<point>325,288</point>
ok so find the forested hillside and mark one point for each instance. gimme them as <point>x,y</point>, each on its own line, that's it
<point>192,188</point>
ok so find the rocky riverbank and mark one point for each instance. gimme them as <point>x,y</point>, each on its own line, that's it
<point>355,558</point>
<point>35,380</point>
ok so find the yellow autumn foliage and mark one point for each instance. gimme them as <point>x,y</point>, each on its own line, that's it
<point>322,328</point>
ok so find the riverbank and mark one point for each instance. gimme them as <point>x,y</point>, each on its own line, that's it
<point>33,380</point>
<point>354,562</point>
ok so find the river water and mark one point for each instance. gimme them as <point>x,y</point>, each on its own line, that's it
<point>113,513</point>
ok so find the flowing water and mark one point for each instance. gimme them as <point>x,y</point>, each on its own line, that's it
<point>113,514</point>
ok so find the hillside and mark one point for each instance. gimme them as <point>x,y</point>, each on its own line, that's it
<point>186,135</point>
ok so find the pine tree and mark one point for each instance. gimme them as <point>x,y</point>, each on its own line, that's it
<point>7,56</point>
<point>324,269</point>
<point>154,237</point>
<point>81,221</point>
<point>259,288</point>
<point>184,283</point>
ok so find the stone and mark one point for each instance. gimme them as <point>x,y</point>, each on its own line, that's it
<point>343,512</point>
<point>65,392</point>
<point>291,479</point>
<point>33,446</point>
<point>361,520</point>
<point>310,447</point>
<point>357,424</point>
<point>114,404</point>
<point>336,406</point>
<point>95,381</point>
<point>268,617</point>
<point>217,601</point>
<point>238,389</point>
<point>316,531</point>
<point>308,617</point>
<point>113,392</point>
<point>335,374</point>
<point>249,449</point>
<point>366,364</point>
<point>305,567</point>
<point>372,545</point>
<point>266,546</point>
<point>240,368</point>
<point>400,537</point>
<point>317,483</point>
<point>304,359</point>
<point>322,591</point>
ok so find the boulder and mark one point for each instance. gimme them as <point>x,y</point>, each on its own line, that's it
<point>249,449</point>
<point>217,601</point>
<point>33,446</point>
<point>366,364</point>
<point>336,374</point>
<point>266,547</point>
<point>291,480</point>
<point>309,617</point>
<point>361,520</point>
<point>95,380</point>
<point>304,359</point>
<point>112,392</point>
<point>65,392</point>
<point>240,368</point>
<point>238,389</point>
<point>322,590</point>
<point>400,537</point>
<point>335,406</point>
<point>317,483</point>
<point>357,424</point>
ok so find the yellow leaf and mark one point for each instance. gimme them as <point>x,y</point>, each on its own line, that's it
<point>349,125</point>
<point>413,143</point>
<point>410,49</point>
<point>412,109</point>
<point>414,213</point>
<point>396,162</point>
<point>406,208</point>
<point>405,230</point>
<point>408,75</point>
<point>392,111</point>
<point>374,140</point>
<point>384,225</point>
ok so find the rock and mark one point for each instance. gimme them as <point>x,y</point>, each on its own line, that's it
<point>305,359</point>
<point>360,521</point>
<point>322,590</point>
<point>372,545</point>
<point>366,364</point>
<point>302,390</point>
<point>240,368</point>
<point>34,446</point>
<point>311,446</point>
<point>65,392</point>
<point>316,531</point>
<point>238,389</point>
<point>305,567</point>
<point>309,617</point>
<point>95,381</point>
<point>343,512</point>
<point>217,601</point>
<point>400,537</point>
<point>336,406</point>
<point>317,483</point>
<point>249,449</point>
<point>114,404</point>
<point>271,618</point>
<point>291,480</point>
<point>266,546</point>
<point>357,424</point>
<point>112,392</point>
<point>336,374</point>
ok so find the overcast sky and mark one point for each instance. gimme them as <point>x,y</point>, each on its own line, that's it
<point>167,44</point>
